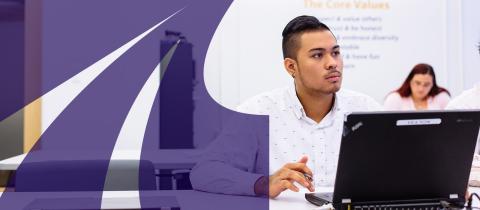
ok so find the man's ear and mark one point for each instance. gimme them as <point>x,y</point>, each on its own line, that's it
<point>291,66</point>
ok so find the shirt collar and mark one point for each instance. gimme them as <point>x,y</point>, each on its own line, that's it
<point>297,107</point>
<point>294,102</point>
<point>329,119</point>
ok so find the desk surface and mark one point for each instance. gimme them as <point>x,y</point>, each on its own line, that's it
<point>171,159</point>
<point>291,200</point>
<point>187,199</point>
<point>166,159</point>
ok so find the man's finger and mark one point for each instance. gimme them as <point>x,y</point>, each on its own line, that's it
<point>303,159</point>
<point>300,167</point>
<point>297,177</point>
<point>311,188</point>
<point>289,185</point>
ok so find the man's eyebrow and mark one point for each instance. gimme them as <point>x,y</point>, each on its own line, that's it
<point>323,49</point>
<point>317,49</point>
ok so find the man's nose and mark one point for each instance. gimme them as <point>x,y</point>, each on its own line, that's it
<point>331,63</point>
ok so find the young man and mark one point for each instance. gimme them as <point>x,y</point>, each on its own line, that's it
<point>306,122</point>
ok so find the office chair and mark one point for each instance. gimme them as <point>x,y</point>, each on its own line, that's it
<point>85,175</point>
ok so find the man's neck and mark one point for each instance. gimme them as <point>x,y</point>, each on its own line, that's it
<point>316,105</point>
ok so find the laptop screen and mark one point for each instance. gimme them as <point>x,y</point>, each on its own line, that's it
<point>406,155</point>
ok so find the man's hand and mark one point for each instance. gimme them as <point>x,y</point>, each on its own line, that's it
<point>285,177</point>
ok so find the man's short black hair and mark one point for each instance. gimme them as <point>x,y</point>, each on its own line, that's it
<point>294,29</point>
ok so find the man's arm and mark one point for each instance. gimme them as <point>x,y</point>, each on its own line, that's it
<point>219,177</point>
<point>237,163</point>
<point>235,160</point>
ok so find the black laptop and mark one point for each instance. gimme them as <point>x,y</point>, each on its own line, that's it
<point>403,160</point>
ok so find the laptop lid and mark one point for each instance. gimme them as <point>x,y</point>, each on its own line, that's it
<point>387,156</point>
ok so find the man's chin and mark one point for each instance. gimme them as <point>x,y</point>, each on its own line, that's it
<point>326,90</point>
<point>335,88</point>
<point>330,90</point>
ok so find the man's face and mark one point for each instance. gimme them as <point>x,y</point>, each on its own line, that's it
<point>319,62</point>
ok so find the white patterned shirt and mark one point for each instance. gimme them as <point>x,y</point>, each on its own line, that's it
<point>236,160</point>
<point>293,134</point>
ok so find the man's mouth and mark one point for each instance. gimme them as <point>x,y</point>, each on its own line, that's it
<point>333,78</point>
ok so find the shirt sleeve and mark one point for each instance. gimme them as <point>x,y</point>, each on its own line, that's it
<point>252,105</point>
<point>393,102</point>
<point>230,162</point>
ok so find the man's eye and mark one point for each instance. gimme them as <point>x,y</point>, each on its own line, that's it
<point>336,53</point>
<point>317,55</point>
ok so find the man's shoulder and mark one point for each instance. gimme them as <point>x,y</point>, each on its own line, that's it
<point>356,101</point>
<point>350,93</point>
<point>260,103</point>
<point>347,94</point>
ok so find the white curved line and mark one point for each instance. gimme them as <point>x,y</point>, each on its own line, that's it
<point>61,96</point>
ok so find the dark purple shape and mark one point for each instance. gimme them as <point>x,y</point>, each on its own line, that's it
<point>73,34</point>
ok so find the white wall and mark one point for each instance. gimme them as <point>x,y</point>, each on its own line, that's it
<point>245,57</point>
<point>470,42</point>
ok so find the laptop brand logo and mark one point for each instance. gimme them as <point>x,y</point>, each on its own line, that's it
<point>356,126</point>
<point>413,122</point>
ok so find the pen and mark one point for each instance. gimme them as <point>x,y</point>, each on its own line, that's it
<point>308,177</point>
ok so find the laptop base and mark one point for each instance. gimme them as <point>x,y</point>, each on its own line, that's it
<point>320,199</point>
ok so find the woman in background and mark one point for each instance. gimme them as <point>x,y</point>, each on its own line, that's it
<point>418,92</point>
